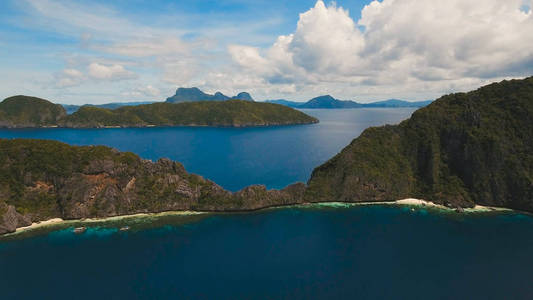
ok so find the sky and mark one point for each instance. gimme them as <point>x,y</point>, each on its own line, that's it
<point>139,50</point>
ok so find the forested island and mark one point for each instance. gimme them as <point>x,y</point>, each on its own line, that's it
<point>24,111</point>
<point>463,149</point>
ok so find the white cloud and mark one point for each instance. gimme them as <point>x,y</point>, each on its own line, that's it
<point>398,48</point>
<point>94,72</point>
<point>68,78</point>
<point>109,72</point>
<point>143,92</point>
<point>437,45</point>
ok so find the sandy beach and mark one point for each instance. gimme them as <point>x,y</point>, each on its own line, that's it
<point>419,202</point>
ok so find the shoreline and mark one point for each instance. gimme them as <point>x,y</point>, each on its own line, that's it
<point>60,221</point>
<point>164,126</point>
<point>403,202</point>
<point>414,203</point>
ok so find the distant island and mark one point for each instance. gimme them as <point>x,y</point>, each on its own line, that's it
<point>462,150</point>
<point>24,111</point>
<point>195,94</point>
<point>329,102</point>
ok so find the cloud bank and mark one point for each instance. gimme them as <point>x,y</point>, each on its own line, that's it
<point>397,46</point>
<point>411,49</point>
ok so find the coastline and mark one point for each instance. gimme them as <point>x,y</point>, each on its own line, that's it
<point>59,221</point>
<point>403,202</point>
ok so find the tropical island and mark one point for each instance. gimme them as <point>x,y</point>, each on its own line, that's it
<point>463,150</point>
<point>24,111</point>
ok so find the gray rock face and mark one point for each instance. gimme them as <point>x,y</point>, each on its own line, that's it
<point>10,220</point>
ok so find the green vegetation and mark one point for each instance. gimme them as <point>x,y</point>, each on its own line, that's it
<point>22,111</point>
<point>461,150</point>
<point>208,113</point>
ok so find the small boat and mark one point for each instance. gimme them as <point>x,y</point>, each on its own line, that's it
<point>80,230</point>
<point>124,228</point>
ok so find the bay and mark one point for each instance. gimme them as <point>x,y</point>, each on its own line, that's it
<point>236,157</point>
<point>304,252</point>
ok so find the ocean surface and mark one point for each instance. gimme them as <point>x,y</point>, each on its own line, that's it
<point>362,252</point>
<point>305,252</point>
<point>236,157</point>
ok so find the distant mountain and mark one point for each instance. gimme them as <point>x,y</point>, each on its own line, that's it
<point>394,103</point>
<point>243,96</point>
<point>288,103</point>
<point>70,108</point>
<point>194,94</point>
<point>329,102</point>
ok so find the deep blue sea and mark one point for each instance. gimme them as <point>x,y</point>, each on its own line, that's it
<point>313,252</point>
<point>236,157</point>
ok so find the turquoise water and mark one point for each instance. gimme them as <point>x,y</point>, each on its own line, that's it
<point>236,157</point>
<point>317,252</point>
<point>365,252</point>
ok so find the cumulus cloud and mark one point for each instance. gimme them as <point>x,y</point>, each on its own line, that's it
<point>109,72</point>
<point>434,45</point>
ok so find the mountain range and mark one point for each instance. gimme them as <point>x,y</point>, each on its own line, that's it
<point>194,94</point>
<point>328,101</point>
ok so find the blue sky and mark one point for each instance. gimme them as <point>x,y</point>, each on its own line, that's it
<point>109,51</point>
